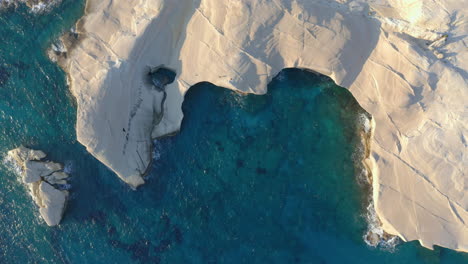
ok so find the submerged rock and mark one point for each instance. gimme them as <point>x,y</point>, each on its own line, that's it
<point>372,239</point>
<point>44,180</point>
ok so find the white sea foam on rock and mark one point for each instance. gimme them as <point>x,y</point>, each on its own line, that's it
<point>375,235</point>
<point>382,50</point>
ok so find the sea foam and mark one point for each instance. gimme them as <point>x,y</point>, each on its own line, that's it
<point>375,235</point>
<point>36,7</point>
<point>11,165</point>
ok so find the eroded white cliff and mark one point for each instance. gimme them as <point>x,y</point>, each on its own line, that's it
<point>404,61</point>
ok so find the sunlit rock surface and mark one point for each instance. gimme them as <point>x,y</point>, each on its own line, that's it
<point>45,179</point>
<point>404,61</point>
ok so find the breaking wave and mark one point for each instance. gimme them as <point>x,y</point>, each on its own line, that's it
<point>365,122</point>
<point>12,165</point>
<point>35,6</point>
<point>375,236</point>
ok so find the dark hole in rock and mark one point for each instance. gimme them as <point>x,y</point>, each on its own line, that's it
<point>160,77</point>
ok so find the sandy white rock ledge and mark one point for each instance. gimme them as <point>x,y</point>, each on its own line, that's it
<point>404,61</point>
<point>41,177</point>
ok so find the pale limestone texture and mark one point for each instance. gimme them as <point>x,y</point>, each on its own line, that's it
<point>40,176</point>
<point>404,61</point>
<point>52,203</point>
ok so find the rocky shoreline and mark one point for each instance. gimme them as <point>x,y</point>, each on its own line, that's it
<point>375,236</point>
<point>46,181</point>
<point>402,62</point>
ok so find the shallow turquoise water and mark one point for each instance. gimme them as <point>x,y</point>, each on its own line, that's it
<point>250,179</point>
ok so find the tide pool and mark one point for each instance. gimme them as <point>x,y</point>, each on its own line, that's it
<point>249,179</point>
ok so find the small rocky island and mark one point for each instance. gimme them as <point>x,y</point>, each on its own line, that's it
<point>46,181</point>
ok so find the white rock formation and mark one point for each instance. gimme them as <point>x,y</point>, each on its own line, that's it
<point>387,52</point>
<point>35,170</point>
<point>52,203</point>
<point>39,176</point>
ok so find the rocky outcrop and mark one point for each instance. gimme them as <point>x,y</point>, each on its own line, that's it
<point>45,180</point>
<point>52,203</point>
<point>404,61</point>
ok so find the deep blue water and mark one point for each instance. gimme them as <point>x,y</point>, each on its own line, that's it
<point>249,179</point>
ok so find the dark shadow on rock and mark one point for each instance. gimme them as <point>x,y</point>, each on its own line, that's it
<point>140,90</point>
<point>359,47</point>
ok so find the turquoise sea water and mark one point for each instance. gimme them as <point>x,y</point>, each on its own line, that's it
<point>249,179</point>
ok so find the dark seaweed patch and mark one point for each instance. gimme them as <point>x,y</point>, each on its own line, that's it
<point>4,75</point>
<point>21,65</point>
<point>163,245</point>
<point>178,235</point>
<point>111,231</point>
<point>145,251</point>
<point>166,222</point>
<point>260,170</point>
<point>140,249</point>
<point>98,217</point>
<point>116,243</point>
<point>239,163</point>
